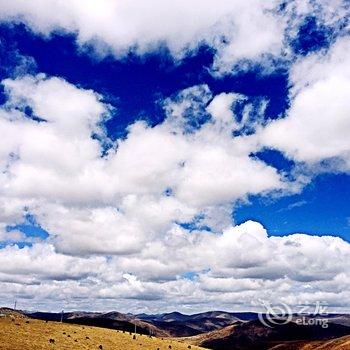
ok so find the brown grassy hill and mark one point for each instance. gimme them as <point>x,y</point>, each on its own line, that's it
<point>255,336</point>
<point>10,312</point>
<point>204,337</point>
<point>180,325</point>
<point>21,333</point>
<point>342,343</point>
<point>112,320</point>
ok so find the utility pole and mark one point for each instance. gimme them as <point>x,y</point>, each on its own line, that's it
<point>135,328</point>
<point>15,305</point>
<point>61,316</point>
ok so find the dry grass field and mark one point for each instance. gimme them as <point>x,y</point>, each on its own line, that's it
<point>342,343</point>
<point>200,338</point>
<point>20,333</point>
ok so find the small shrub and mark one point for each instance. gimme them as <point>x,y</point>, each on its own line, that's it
<point>100,347</point>
<point>87,338</point>
<point>52,341</point>
<point>134,336</point>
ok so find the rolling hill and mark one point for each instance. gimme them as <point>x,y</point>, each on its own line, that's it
<point>216,330</point>
<point>174,324</point>
<point>253,335</point>
<point>18,332</point>
<point>112,320</point>
<point>180,325</point>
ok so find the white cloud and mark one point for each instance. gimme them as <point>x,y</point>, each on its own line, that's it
<point>220,110</point>
<point>235,270</point>
<point>120,214</point>
<point>239,32</point>
<point>116,237</point>
<point>117,202</point>
<point>42,263</point>
<point>317,126</point>
<point>235,29</point>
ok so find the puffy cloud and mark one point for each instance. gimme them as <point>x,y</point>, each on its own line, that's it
<point>220,110</point>
<point>317,126</point>
<point>148,217</point>
<point>236,30</point>
<point>52,165</point>
<point>43,263</point>
<point>239,32</point>
<point>117,220</point>
<point>123,25</point>
<point>232,270</point>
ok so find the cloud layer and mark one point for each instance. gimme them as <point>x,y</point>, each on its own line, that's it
<point>235,270</point>
<point>142,185</point>
<point>239,32</point>
<point>148,217</point>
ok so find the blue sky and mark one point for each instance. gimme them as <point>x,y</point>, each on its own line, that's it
<point>159,155</point>
<point>321,208</point>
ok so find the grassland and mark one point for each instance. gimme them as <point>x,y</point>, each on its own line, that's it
<point>20,333</point>
<point>200,338</point>
<point>342,343</point>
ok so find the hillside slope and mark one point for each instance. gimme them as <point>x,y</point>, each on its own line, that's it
<point>180,325</point>
<point>112,320</point>
<point>21,333</point>
<point>255,336</point>
<point>342,343</point>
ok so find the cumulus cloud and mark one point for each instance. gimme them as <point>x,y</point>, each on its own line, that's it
<point>252,266</point>
<point>235,29</point>
<point>317,126</point>
<point>42,263</point>
<point>52,164</point>
<point>118,218</point>
<point>241,32</point>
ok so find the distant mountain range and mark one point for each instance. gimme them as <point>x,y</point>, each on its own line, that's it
<point>180,325</point>
<point>172,324</point>
<point>218,330</point>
